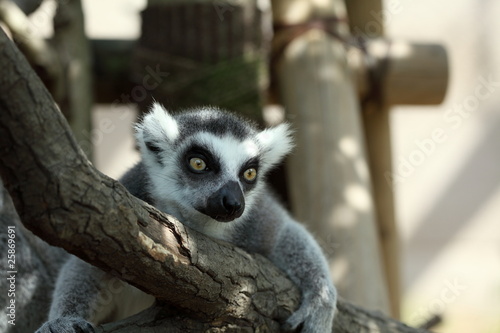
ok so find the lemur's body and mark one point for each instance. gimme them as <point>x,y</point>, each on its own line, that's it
<point>206,168</point>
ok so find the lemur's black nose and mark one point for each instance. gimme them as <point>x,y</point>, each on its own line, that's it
<point>226,204</point>
<point>231,204</point>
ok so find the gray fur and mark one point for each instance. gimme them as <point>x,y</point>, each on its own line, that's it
<point>164,178</point>
<point>213,120</point>
<point>137,183</point>
<point>36,264</point>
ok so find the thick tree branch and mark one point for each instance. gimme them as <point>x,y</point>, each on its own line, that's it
<point>64,200</point>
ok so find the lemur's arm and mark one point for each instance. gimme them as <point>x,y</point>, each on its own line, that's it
<point>75,300</point>
<point>298,254</point>
<point>272,232</point>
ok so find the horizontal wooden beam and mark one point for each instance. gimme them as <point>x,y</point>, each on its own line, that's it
<point>400,72</point>
<point>408,73</point>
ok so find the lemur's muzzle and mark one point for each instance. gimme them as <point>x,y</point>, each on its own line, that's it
<point>227,204</point>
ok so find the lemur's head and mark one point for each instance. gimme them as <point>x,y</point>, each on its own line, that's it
<point>206,164</point>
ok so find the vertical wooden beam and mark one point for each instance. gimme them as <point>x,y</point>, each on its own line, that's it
<point>366,20</point>
<point>328,174</point>
<point>366,17</point>
<point>72,45</point>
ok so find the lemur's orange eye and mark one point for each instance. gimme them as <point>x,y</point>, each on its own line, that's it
<point>250,174</point>
<point>197,164</point>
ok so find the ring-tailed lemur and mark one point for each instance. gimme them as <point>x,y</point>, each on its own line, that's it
<point>206,167</point>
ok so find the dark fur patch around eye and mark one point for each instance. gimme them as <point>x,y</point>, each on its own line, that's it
<point>155,150</point>
<point>211,161</point>
<point>152,147</point>
<point>250,164</point>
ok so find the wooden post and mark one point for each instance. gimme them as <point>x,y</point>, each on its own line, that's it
<point>408,73</point>
<point>366,20</point>
<point>328,174</point>
<point>72,45</point>
<point>405,74</point>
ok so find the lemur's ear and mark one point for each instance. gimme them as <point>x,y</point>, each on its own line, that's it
<point>275,143</point>
<point>156,130</point>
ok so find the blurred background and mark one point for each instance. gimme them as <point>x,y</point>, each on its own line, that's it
<point>447,203</point>
<point>448,208</point>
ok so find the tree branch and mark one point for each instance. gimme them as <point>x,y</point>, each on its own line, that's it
<point>64,200</point>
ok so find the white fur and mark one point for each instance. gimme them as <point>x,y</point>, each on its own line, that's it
<point>270,145</point>
<point>275,143</point>
<point>231,153</point>
<point>159,124</point>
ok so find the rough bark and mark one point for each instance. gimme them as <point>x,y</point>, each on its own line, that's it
<point>61,198</point>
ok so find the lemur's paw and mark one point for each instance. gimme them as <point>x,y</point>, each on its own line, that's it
<point>315,315</point>
<point>66,325</point>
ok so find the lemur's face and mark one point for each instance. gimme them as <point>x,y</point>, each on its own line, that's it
<point>207,165</point>
<point>218,174</point>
